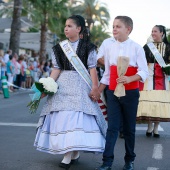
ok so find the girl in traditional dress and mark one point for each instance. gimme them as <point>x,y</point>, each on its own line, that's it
<point>154,103</point>
<point>70,120</point>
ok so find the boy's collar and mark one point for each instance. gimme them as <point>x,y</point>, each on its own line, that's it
<point>124,42</point>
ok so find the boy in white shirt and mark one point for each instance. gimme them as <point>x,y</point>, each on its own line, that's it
<point>127,105</point>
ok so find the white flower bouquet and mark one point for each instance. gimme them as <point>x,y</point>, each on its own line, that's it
<point>45,85</point>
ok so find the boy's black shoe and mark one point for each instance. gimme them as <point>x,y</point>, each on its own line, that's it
<point>128,166</point>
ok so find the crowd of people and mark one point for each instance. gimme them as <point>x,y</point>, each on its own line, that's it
<point>22,71</point>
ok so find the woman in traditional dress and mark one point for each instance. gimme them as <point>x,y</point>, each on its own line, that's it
<point>154,105</point>
<point>70,120</point>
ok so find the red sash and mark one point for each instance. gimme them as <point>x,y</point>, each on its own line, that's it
<point>130,72</point>
<point>159,78</point>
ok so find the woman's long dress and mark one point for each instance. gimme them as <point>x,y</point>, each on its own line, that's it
<point>154,100</point>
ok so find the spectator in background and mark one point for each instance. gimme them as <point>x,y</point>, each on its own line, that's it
<point>46,69</point>
<point>41,69</point>
<point>14,61</point>
<point>17,70</point>
<point>51,66</point>
<point>23,72</point>
<point>10,73</point>
<point>6,56</point>
<point>35,70</point>
<point>20,75</point>
<point>29,73</point>
<point>2,67</point>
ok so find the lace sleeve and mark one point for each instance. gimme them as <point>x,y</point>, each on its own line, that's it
<point>54,60</point>
<point>92,59</point>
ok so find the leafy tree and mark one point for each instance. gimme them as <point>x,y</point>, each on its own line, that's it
<point>92,11</point>
<point>98,34</point>
<point>47,14</point>
<point>7,9</point>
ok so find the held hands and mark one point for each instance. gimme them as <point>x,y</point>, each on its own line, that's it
<point>95,94</point>
<point>43,95</point>
<point>123,79</point>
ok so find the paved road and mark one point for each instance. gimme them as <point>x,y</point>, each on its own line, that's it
<point>17,133</point>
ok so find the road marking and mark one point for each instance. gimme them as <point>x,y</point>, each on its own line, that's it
<point>35,125</point>
<point>152,168</point>
<point>19,124</point>
<point>157,152</point>
<point>145,128</point>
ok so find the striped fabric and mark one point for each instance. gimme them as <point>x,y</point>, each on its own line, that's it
<point>161,47</point>
<point>103,108</point>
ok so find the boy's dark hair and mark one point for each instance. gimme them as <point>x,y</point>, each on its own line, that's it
<point>126,20</point>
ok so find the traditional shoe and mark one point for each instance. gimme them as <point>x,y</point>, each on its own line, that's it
<point>148,134</point>
<point>74,160</point>
<point>128,166</point>
<point>156,135</point>
<point>103,167</point>
<point>65,166</point>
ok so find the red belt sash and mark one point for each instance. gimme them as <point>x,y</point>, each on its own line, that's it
<point>130,72</point>
<point>159,78</point>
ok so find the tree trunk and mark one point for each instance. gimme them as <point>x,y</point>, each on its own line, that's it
<point>16,27</point>
<point>43,39</point>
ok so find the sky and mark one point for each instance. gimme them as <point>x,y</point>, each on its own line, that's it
<point>144,13</point>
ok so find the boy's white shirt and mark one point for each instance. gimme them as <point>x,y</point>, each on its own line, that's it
<point>130,49</point>
<point>104,47</point>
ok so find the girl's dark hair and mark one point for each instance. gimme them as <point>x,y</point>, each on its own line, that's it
<point>80,22</point>
<point>163,29</point>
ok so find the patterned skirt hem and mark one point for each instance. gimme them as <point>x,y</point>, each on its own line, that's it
<point>73,148</point>
<point>152,119</point>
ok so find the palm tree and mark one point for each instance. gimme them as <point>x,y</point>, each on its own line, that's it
<point>92,11</point>
<point>7,9</point>
<point>46,14</point>
<point>98,34</point>
<point>15,27</point>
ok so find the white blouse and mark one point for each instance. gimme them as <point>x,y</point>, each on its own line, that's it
<point>129,49</point>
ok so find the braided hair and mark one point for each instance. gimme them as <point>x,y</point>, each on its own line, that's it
<point>80,22</point>
<point>163,29</point>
